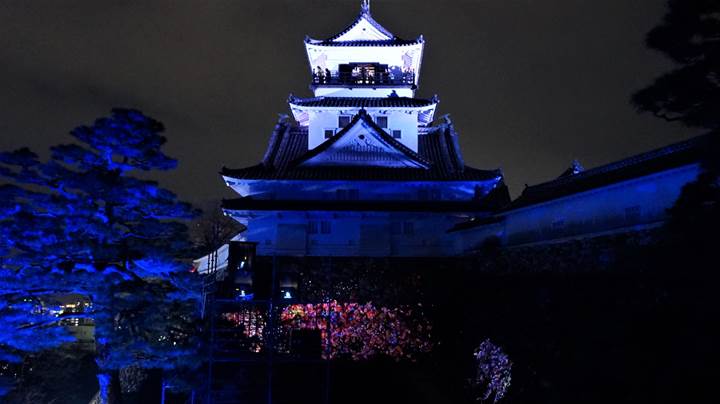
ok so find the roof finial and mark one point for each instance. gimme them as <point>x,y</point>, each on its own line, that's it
<point>576,167</point>
<point>365,7</point>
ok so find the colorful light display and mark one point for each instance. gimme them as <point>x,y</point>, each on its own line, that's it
<point>362,331</point>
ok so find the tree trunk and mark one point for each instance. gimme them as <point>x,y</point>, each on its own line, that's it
<point>110,387</point>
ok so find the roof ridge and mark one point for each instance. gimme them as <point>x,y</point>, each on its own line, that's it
<point>454,147</point>
<point>402,102</point>
<point>364,14</point>
<point>366,42</point>
<point>626,162</point>
<point>278,132</point>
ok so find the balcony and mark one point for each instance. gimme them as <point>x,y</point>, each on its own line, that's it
<point>369,79</point>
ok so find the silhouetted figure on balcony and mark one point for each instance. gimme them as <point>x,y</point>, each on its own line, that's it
<point>328,76</point>
<point>319,74</point>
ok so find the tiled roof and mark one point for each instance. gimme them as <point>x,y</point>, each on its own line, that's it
<point>363,102</point>
<point>665,158</point>
<point>261,172</point>
<point>364,15</point>
<point>289,144</point>
<point>384,42</point>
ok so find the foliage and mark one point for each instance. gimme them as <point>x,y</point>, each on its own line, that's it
<point>80,223</point>
<point>695,217</point>
<point>690,36</point>
<point>43,383</point>
<point>27,326</point>
<point>212,229</point>
<point>493,375</point>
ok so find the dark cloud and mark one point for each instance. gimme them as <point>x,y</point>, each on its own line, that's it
<point>530,84</point>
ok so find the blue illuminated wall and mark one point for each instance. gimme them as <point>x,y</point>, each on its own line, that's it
<point>364,190</point>
<point>636,204</point>
<point>342,233</point>
<point>355,233</point>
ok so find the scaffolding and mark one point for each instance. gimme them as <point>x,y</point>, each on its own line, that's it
<point>240,308</point>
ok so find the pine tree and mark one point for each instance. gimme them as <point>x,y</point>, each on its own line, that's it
<point>690,36</point>
<point>82,223</point>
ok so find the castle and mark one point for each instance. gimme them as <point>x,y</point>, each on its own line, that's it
<point>365,169</point>
<point>364,179</point>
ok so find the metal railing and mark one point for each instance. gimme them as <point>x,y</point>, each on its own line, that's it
<point>367,79</point>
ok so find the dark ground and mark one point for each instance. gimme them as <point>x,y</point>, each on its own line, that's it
<point>620,319</point>
<point>613,320</point>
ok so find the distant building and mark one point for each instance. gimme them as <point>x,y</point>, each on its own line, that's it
<point>362,168</point>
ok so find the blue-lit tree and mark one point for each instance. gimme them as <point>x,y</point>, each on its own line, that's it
<point>82,223</point>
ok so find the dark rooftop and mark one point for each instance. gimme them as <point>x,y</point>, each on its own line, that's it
<point>288,145</point>
<point>362,102</point>
<point>384,42</point>
<point>665,158</point>
<point>364,15</point>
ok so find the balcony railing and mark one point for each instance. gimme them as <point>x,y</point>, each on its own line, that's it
<point>375,79</point>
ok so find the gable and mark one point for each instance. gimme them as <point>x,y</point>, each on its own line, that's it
<point>363,144</point>
<point>364,29</point>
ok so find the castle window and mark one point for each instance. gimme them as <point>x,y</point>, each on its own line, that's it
<point>397,134</point>
<point>432,194</point>
<point>312,227</point>
<point>329,133</point>
<point>347,194</point>
<point>382,121</point>
<point>343,121</point>
<point>408,228</point>
<point>325,227</point>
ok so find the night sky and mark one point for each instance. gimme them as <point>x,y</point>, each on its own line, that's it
<point>530,84</point>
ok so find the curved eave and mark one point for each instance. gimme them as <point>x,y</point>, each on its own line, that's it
<point>344,107</point>
<point>426,113</point>
<point>260,172</point>
<point>365,43</point>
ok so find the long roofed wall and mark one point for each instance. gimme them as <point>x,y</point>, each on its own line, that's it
<point>628,195</point>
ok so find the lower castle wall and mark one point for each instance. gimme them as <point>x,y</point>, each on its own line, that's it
<point>630,205</point>
<point>352,234</point>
